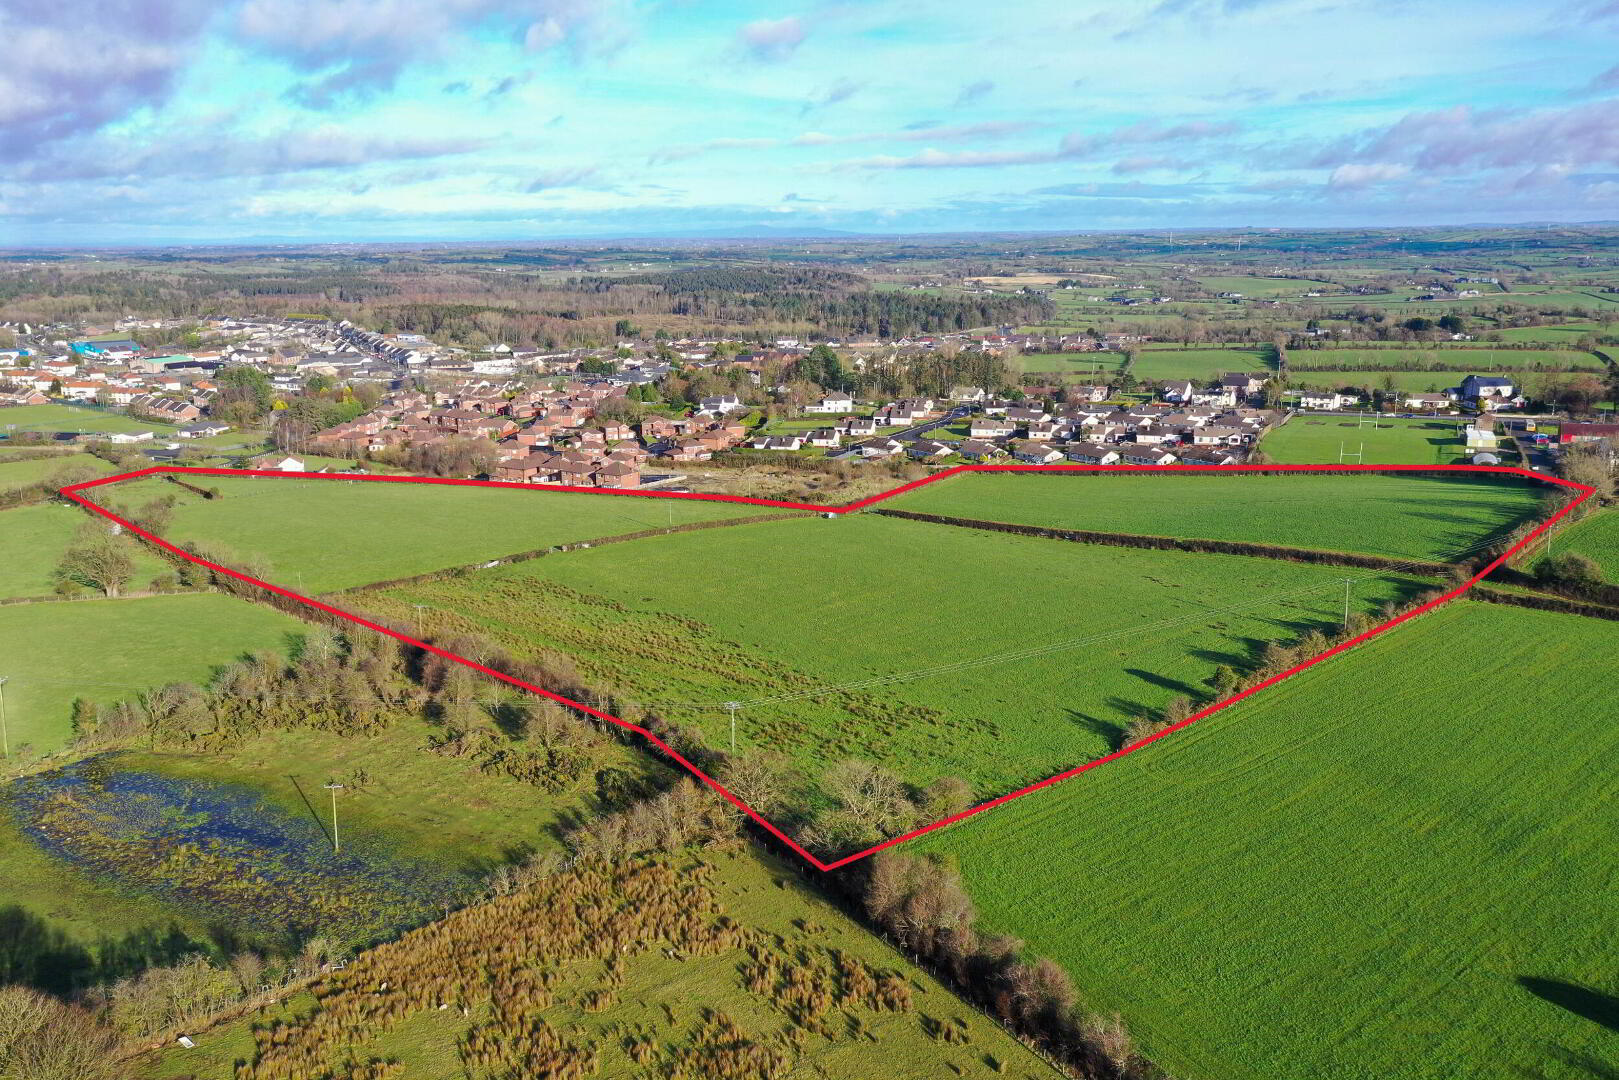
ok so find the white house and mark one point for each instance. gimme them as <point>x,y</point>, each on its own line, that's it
<point>832,403</point>
<point>1327,399</point>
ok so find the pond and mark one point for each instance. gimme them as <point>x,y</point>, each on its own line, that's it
<point>226,854</point>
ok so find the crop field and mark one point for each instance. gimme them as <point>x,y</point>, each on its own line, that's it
<point>1317,440</point>
<point>35,538</point>
<point>1597,538</point>
<point>328,534</point>
<point>1068,643</point>
<point>653,1002</point>
<point>1378,868</point>
<point>20,418</point>
<point>107,650</point>
<point>1418,517</point>
<point>1475,357</point>
<point>1153,365</point>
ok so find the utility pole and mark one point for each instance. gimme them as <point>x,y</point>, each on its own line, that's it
<point>334,787</point>
<point>1347,583</point>
<point>5,740</point>
<point>731,707</point>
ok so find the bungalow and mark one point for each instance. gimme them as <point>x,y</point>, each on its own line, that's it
<point>832,403</point>
<point>1218,436</point>
<point>202,430</point>
<point>826,438</point>
<point>131,436</point>
<point>1147,455</point>
<point>1092,454</point>
<point>273,463</point>
<point>1426,401</point>
<point>858,427</point>
<point>879,448</point>
<point>1047,429</point>
<point>1034,453</point>
<point>1209,456</point>
<point>977,450</point>
<point>776,442</point>
<point>984,427</point>
<point>968,394</point>
<point>1153,435</point>
<point>922,449</point>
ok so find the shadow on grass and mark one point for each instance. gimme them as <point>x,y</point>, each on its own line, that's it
<point>1584,1002</point>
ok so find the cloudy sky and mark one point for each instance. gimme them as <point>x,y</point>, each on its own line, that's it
<point>143,121</point>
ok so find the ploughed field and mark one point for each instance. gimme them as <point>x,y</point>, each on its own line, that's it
<point>936,651</point>
<point>1397,864</point>
<point>1413,517</point>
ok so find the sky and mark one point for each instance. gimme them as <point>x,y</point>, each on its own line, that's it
<point>174,121</point>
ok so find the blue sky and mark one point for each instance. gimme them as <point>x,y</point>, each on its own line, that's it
<point>149,121</point>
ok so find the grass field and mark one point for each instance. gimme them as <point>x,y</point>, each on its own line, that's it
<point>1154,365</point>
<point>1480,357</point>
<point>1417,382</point>
<point>664,997</point>
<point>1262,286</point>
<point>1597,537</point>
<point>328,534</point>
<point>73,418</point>
<point>1565,334</point>
<point>1308,440</point>
<point>1412,517</point>
<point>1352,876</point>
<point>783,616</point>
<point>1103,364</point>
<point>106,650</point>
<point>20,474</point>
<point>36,536</point>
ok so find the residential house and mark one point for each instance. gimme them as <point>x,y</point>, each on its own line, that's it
<point>1147,455</point>
<point>832,403</point>
<point>1087,453</point>
<point>1327,399</point>
<point>1205,455</point>
<point>723,405</point>
<point>977,450</point>
<point>924,449</point>
<point>202,430</point>
<point>1036,453</point>
<point>988,427</point>
<point>826,438</point>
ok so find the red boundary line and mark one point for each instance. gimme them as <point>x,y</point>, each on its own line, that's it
<point>72,492</point>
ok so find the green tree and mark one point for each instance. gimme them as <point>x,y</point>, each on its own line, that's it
<point>98,559</point>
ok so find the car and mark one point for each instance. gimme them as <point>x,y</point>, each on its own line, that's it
<point>1408,416</point>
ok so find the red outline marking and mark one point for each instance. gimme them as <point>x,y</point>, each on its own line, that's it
<point>72,492</point>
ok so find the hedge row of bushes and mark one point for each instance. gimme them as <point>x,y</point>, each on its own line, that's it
<point>1172,543</point>
<point>525,556</point>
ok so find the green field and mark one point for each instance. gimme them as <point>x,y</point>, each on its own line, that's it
<point>1103,364</point>
<point>1262,286</point>
<point>1565,334</point>
<point>1156,365</point>
<point>1479,357</point>
<point>1308,440</point>
<point>784,616</point>
<point>1418,382</point>
<point>72,418</point>
<point>1420,517</point>
<point>1348,876</point>
<point>664,996</point>
<point>21,474</point>
<point>319,535</point>
<point>107,650</point>
<point>1597,538</point>
<point>34,538</point>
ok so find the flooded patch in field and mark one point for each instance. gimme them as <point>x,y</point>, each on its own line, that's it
<point>226,852</point>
